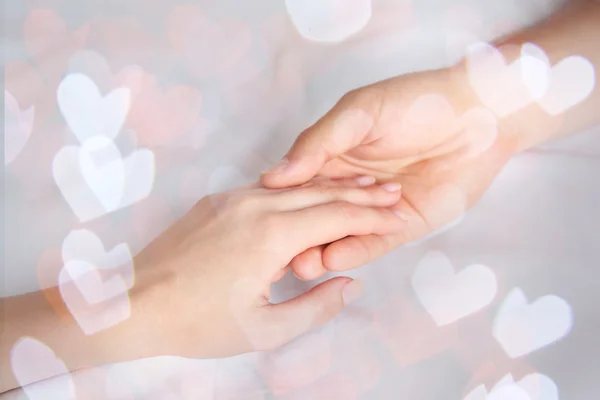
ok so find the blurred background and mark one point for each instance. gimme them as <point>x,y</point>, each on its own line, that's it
<point>216,92</point>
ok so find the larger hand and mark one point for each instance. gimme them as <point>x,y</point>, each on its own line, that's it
<point>421,130</point>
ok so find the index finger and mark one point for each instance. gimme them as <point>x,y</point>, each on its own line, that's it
<point>343,128</point>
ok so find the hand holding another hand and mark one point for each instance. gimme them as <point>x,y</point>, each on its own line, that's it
<point>423,131</point>
<point>211,271</point>
<point>201,289</point>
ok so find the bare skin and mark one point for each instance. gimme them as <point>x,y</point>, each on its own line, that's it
<point>217,262</point>
<point>371,132</point>
<point>202,287</point>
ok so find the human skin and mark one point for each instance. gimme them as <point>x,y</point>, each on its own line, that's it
<point>202,287</point>
<point>371,131</point>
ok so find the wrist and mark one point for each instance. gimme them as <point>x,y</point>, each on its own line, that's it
<point>43,317</point>
<point>511,135</point>
<point>552,113</point>
<point>115,330</point>
<point>123,341</point>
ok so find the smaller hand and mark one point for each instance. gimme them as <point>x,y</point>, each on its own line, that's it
<point>202,287</point>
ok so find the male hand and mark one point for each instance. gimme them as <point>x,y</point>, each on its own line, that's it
<point>425,131</point>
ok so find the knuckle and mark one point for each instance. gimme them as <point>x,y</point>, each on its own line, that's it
<point>271,227</point>
<point>243,202</point>
<point>305,136</point>
<point>351,96</point>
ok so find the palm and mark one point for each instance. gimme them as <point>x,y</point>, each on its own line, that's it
<point>435,190</point>
<point>421,132</point>
<point>444,152</point>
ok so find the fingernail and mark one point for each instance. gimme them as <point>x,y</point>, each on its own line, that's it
<point>392,187</point>
<point>403,216</point>
<point>280,167</point>
<point>365,180</point>
<point>352,291</point>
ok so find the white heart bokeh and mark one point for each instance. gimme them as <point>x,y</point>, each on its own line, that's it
<point>89,282</point>
<point>329,20</point>
<point>85,257</point>
<point>507,392</point>
<point>95,67</point>
<point>536,77</point>
<point>474,132</point>
<point>103,170</point>
<point>522,328</point>
<point>557,88</point>
<point>507,88</point>
<point>32,362</point>
<point>447,295</point>
<point>95,180</point>
<point>18,126</point>
<point>499,85</point>
<point>87,112</point>
<point>94,283</point>
<point>571,81</point>
<point>536,386</point>
<point>85,245</point>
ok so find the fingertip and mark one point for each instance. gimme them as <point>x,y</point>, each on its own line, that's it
<point>331,293</point>
<point>286,174</point>
<point>303,313</point>
<point>392,187</point>
<point>386,197</point>
<point>308,266</point>
<point>273,181</point>
<point>280,168</point>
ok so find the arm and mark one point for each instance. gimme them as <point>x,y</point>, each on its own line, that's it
<point>407,129</point>
<point>573,30</point>
<point>44,317</point>
<point>201,288</point>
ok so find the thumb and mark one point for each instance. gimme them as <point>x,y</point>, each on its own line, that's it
<point>346,126</point>
<point>286,321</point>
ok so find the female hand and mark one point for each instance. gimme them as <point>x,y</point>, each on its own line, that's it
<point>202,288</point>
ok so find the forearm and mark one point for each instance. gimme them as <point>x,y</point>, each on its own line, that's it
<point>573,30</point>
<point>43,317</point>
